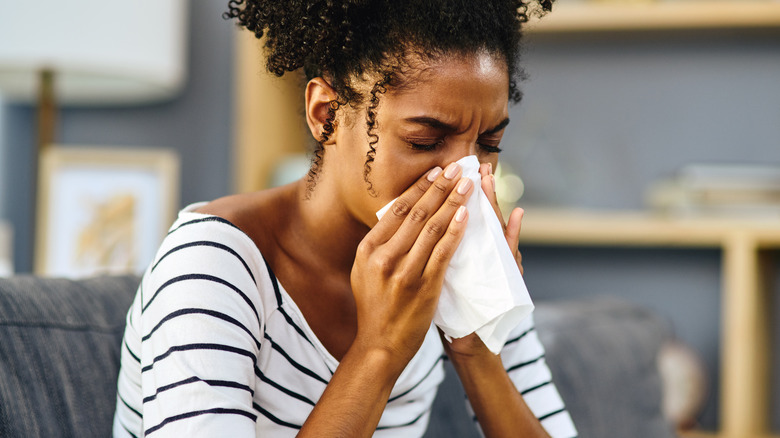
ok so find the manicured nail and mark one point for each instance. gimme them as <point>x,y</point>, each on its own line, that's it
<point>451,170</point>
<point>464,185</point>
<point>460,214</point>
<point>493,182</point>
<point>434,173</point>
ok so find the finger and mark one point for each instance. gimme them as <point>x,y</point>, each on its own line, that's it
<point>395,216</point>
<point>438,196</point>
<point>436,227</point>
<point>519,260</point>
<point>485,169</point>
<point>445,247</point>
<point>489,187</point>
<point>512,232</point>
<point>512,235</point>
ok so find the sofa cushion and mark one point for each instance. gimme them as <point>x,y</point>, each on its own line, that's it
<point>602,354</point>
<point>59,354</point>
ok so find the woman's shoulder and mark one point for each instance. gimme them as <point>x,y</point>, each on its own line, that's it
<point>255,214</point>
<point>242,226</point>
<point>196,238</point>
<point>240,210</point>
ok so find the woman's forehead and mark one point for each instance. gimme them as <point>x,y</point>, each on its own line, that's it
<point>412,67</point>
<point>455,91</point>
<point>422,68</point>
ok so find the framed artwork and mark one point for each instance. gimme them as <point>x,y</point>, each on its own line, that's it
<point>103,210</point>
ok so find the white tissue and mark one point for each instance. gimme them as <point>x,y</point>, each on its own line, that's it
<point>483,290</point>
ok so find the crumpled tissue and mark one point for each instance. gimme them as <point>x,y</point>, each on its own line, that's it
<point>483,289</point>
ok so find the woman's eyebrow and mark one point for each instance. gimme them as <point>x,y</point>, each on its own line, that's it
<point>497,128</point>
<point>442,126</point>
<point>433,123</point>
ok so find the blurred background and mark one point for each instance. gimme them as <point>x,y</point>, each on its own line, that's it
<point>609,111</point>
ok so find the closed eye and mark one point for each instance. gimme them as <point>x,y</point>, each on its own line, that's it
<point>426,146</point>
<point>490,148</point>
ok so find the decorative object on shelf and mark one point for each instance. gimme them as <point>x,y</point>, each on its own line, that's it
<point>719,190</point>
<point>103,210</point>
<point>684,379</point>
<point>6,253</point>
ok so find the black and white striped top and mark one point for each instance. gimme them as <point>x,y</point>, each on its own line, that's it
<point>214,346</point>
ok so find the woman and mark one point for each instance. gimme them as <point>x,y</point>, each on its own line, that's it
<point>294,310</point>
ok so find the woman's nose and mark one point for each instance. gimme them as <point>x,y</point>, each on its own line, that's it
<point>461,150</point>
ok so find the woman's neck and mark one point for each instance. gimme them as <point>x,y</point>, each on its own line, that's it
<point>325,227</point>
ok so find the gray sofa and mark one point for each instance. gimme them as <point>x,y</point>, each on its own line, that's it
<point>59,357</point>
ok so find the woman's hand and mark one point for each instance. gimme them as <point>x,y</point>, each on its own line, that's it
<point>399,266</point>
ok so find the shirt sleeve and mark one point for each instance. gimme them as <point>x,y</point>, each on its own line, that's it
<point>201,328</point>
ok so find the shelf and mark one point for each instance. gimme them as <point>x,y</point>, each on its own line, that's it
<point>636,16</point>
<point>698,434</point>
<point>745,296</point>
<point>630,228</point>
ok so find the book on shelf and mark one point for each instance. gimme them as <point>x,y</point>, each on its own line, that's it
<point>723,189</point>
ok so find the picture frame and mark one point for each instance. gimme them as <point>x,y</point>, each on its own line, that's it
<point>103,210</point>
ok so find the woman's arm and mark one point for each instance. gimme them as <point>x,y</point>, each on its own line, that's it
<point>498,406</point>
<point>356,396</point>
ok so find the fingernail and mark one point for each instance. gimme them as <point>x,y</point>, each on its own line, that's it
<point>460,214</point>
<point>464,185</point>
<point>434,173</point>
<point>490,168</point>
<point>451,170</point>
<point>493,182</point>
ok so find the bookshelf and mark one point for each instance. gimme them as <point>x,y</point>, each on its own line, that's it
<point>745,329</point>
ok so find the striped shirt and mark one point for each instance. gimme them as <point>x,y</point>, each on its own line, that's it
<point>214,346</point>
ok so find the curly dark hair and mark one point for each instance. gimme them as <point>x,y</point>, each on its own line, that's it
<point>343,40</point>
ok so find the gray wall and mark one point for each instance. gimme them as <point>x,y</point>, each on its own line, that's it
<point>602,118</point>
<point>196,124</point>
<point>605,116</point>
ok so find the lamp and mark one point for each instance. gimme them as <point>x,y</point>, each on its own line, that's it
<point>102,52</point>
<point>96,52</point>
<point>89,53</point>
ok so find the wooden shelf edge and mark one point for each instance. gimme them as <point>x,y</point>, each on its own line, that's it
<point>636,228</point>
<point>682,15</point>
<point>710,434</point>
